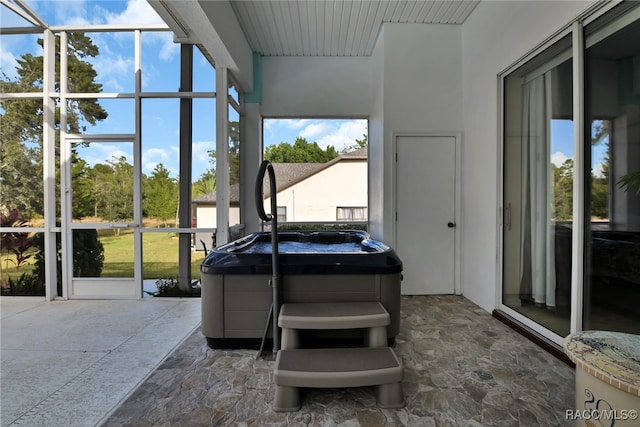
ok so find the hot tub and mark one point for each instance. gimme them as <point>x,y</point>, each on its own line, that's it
<point>315,267</point>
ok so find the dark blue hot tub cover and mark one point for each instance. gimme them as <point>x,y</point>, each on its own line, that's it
<point>317,252</point>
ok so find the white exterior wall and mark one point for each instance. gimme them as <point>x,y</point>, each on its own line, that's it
<point>376,144</point>
<point>428,78</point>
<point>316,198</point>
<point>316,86</point>
<point>495,36</point>
<point>422,93</point>
<point>206,216</point>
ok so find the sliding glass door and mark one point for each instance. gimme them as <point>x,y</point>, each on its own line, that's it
<point>538,161</point>
<point>612,175</point>
<point>571,197</point>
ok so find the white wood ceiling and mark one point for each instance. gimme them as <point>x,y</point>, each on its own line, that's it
<point>335,27</point>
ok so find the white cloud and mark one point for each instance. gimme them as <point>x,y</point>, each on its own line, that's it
<point>15,46</point>
<point>112,70</point>
<point>293,124</point>
<point>312,131</point>
<point>103,153</point>
<point>337,133</point>
<point>140,12</point>
<point>200,150</point>
<point>168,49</point>
<point>85,12</point>
<point>8,63</point>
<point>81,21</point>
<point>597,170</point>
<point>159,154</point>
<point>148,167</point>
<point>200,157</point>
<point>168,156</point>
<point>65,12</point>
<point>558,158</point>
<point>136,12</point>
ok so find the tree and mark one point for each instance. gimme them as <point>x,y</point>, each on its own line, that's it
<point>20,167</point>
<point>300,152</point>
<point>85,193</point>
<point>161,195</point>
<point>21,123</point>
<point>600,192</point>
<point>206,182</point>
<point>114,182</point>
<point>360,143</point>
<point>600,130</point>
<point>101,176</point>
<point>120,191</point>
<point>562,182</point>
<point>234,153</point>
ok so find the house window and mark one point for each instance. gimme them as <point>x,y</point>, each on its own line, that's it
<point>351,214</point>
<point>282,213</point>
<point>545,212</point>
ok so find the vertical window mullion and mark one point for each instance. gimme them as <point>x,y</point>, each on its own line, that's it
<point>577,261</point>
<point>49,160</point>
<point>65,176</point>
<point>222,156</point>
<point>137,164</point>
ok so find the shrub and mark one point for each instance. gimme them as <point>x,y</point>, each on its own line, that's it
<point>17,243</point>
<point>171,288</point>
<point>26,284</point>
<point>88,256</point>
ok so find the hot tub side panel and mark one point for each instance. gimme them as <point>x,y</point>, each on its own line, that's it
<point>390,298</point>
<point>237,306</point>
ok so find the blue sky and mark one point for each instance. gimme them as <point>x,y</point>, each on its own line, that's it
<point>160,73</point>
<point>562,146</point>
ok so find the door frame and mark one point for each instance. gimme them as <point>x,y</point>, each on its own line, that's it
<point>457,263</point>
<point>125,288</point>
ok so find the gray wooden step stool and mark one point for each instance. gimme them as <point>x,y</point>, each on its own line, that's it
<point>375,365</point>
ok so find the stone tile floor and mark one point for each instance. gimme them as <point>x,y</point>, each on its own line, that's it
<point>462,367</point>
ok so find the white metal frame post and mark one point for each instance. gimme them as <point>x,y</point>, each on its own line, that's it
<point>137,167</point>
<point>66,236</point>
<point>222,156</point>
<point>49,167</point>
<point>577,261</point>
<point>250,158</point>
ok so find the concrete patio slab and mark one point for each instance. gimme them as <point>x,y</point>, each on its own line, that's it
<point>71,363</point>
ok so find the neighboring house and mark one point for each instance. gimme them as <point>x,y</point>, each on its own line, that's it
<point>306,192</point>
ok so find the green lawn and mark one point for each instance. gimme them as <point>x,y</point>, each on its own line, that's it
<point>160,257</point>
<point>159,254</point>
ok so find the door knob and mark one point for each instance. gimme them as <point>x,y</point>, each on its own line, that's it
<point>451,224</point>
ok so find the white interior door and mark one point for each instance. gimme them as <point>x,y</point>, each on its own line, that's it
<point>426,213</point>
